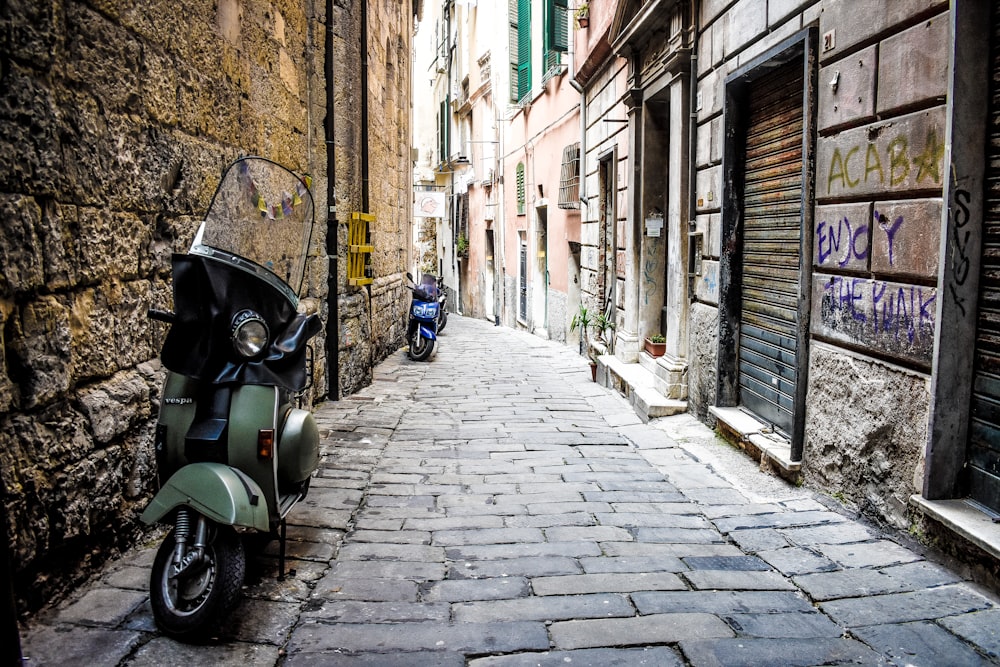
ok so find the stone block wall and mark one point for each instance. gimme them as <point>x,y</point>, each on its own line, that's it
<point>876,245</point>
<point>116,122</point>
<point>880,90</point>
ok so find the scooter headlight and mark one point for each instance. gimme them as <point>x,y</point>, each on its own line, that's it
<point>249,334</point>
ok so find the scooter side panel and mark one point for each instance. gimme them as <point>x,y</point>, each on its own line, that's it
<point>298,453</point>
<point>214,490</point>
<point>177,410</point>
<point>253,408</point>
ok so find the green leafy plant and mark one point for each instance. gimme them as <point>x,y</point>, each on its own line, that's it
<point>462,245</point>
<point>603,324</point>
<point>584,320</point>
<point>657,338</point>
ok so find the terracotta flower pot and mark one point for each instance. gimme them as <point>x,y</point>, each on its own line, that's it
<point>654,349</point>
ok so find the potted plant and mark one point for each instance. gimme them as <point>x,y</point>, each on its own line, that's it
<point>582,15</point>
<point>655,345</point>
<point>462,246</point>
<point>603,324</point>
<point>584,320</point>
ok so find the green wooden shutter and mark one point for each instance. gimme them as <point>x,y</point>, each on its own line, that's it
<point>520,188</point>
<point>556,31</point>
<point>513,32</point>
<point>444,145</point>
<point>523,48</point>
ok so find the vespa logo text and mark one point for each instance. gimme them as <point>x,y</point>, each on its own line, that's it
<point>178,401</point>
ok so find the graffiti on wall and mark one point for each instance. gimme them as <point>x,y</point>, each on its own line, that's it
<point>904,154</point>
<point>896,318</point>
<point>897,238</point>
<point>880,248</point>
<point>960,237</point>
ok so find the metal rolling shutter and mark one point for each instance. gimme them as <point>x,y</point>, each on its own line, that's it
<point>983,456</point>
<point>772,216</point>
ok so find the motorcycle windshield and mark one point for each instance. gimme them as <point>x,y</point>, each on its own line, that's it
<point>261,212</point>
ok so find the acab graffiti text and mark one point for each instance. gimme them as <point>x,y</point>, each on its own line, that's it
<point>891,168</point>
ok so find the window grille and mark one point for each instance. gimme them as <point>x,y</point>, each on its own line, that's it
<point>569,180</point>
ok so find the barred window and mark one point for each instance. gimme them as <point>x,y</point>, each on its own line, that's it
<point>569,180</point>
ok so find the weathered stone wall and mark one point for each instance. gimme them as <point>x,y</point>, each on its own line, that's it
<point>878,176</point>
<point>866,422</point>
<point>876,241</point>
<point>116,121</point>
<point>703,347</point>
<point>373,174</point>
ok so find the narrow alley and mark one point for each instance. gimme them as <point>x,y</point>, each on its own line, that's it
<point>494,507</point>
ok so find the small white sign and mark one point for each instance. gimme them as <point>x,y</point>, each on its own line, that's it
<point>428,204</point>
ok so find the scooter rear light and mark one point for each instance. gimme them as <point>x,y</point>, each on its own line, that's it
<point>265,443</point>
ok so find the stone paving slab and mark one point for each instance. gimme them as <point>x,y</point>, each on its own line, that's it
<point>522,515</point>
<point>637,630</point>
<point>784,652</point>
<point>476,638</point>
<point>656,656</point>
<point>78,645</point>
<point>922,643</point>
<point>925,604</point>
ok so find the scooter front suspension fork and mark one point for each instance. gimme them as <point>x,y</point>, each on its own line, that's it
<point>185,558</point>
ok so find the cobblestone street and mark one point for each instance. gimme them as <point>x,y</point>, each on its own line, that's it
<point>496,508</point>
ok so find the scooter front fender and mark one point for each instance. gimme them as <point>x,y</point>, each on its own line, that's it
<point>427,333</point>
<point>221,493</point>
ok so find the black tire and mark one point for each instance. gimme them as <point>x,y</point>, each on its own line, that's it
<point>193,608</point>
<point>443,320</point>
<point>420,347</point>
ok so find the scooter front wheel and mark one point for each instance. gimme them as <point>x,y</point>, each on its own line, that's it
<point>420,347</point>
<point>190,601</point>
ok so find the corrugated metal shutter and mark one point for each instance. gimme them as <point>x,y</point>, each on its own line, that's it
<point>772,216</point>
<point>983,457</point>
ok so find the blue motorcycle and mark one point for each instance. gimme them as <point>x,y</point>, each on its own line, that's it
<point>421,331</point>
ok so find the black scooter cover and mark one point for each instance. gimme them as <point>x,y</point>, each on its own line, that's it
<point>207,294</point>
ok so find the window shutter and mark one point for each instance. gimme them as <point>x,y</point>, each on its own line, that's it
<point>523,48</point>
<point>514,33</point>
<point>556,34</point>
<point>569,182</point>
<point>443,127</point>
<point>520,188</point>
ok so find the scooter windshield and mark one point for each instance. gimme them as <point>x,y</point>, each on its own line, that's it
<point>261,212</point>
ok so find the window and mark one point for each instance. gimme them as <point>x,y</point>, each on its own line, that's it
<point>444,126</point>
<point>519,29</point>
<point>460,209</point>
<point>556,36</point>
<point>569,180</point>
<point>520,188</point>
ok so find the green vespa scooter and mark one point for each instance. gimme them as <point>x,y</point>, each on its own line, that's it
<point>233,453</point>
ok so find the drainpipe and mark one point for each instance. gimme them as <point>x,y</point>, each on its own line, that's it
<point>10,638</point>
<point>364,164</point>
<point>332,226</point>
<point>364,106</point>
<point>693,129</point>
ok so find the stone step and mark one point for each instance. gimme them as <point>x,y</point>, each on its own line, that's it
<point>636,383</point>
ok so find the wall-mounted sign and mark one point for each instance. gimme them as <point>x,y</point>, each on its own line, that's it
<point>428,204</point>
<point>654,224</point>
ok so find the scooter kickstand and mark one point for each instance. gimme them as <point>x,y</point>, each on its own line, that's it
<point>281,551</point>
